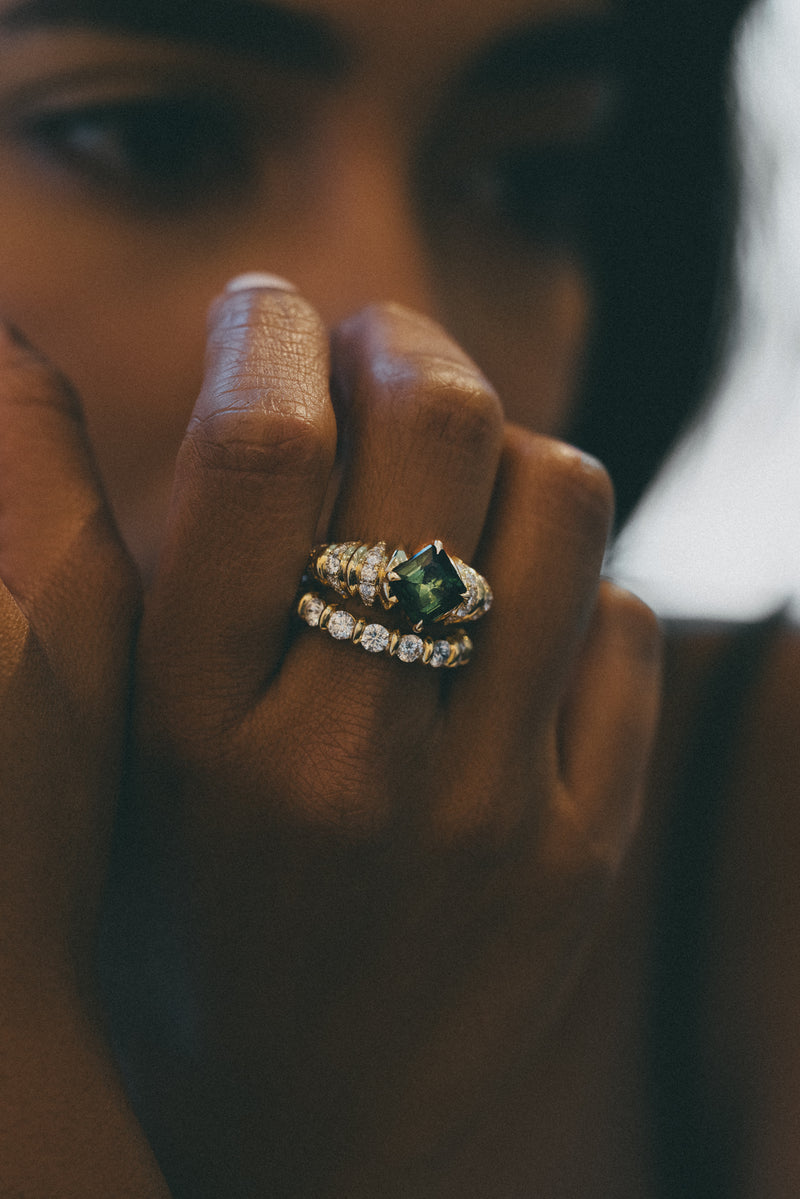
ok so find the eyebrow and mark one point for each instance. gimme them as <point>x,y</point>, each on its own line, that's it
<point>282,37</point>
<point>572,47</point>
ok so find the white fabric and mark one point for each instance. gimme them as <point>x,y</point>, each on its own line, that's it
<point>719,533</point>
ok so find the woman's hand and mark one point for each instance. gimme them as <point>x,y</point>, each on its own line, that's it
<point>68,605</point>
<point>382,876</point>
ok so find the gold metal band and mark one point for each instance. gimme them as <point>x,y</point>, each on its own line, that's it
<point>367,571</point>
<point>453,650</point>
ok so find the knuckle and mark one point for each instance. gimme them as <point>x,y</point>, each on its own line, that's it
<point>408,363</point>
<point>264,406</point>
<point>442,401</point>
<point>637,627</point>
<point>578,489</point>
<point>583,480</point>
<point>450,404</point>
<point>243,440</point>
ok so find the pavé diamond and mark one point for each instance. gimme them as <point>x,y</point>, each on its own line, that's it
<point>375,638</point>
<point>332,566</point>
<point>341,625</point>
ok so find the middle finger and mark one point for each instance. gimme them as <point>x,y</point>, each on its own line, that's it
<point>423,433</point>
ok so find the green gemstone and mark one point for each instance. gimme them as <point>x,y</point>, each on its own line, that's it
<point>428,586</point>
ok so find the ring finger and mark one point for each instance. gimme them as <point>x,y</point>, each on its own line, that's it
<point>421,430</point>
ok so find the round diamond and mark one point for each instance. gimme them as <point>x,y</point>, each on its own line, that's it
<point>341,625</point>
<point>375,638</point>
<point>367,593</point>
<point>410,648</point>
<point>369,572</point>
<point>313,608</point>
<point>441,652</point>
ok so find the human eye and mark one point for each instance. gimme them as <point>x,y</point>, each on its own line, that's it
<point>527,173</point>
<point>168,151</point>
<point>519,151</point>
<point>541,193</point>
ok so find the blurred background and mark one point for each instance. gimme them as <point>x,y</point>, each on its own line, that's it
<point>718,535</point>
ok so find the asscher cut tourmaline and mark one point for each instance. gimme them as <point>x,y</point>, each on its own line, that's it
<point>428,585</point>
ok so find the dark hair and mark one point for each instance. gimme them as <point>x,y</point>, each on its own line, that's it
<point>662,245</point>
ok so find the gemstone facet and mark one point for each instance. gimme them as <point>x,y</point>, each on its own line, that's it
<point>428,585</point>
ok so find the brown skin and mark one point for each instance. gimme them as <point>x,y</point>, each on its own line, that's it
<point>318,845</point>
<point>406,909</point>
<point>68,609</point>
<point>335,212</point>
<point>387,880</point>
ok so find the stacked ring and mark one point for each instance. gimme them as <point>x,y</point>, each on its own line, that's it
<point>452,650</point>
<point>431,587</point>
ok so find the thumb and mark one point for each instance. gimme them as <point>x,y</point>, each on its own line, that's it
<point>68,602</point>
<point>61,558</point>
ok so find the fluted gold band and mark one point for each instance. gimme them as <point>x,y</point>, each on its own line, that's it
<point>431,587</point>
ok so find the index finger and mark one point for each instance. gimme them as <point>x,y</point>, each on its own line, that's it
<point>250,481</point>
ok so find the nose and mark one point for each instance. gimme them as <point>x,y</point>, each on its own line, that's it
<point>356,238</point>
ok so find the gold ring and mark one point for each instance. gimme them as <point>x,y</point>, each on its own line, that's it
<point>449,651</point>
<point>430,587</point>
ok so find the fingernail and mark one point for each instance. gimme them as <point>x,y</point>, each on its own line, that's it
<point>257,279</point>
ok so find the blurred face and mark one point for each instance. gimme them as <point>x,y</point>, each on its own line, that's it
<point>430,153</point>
